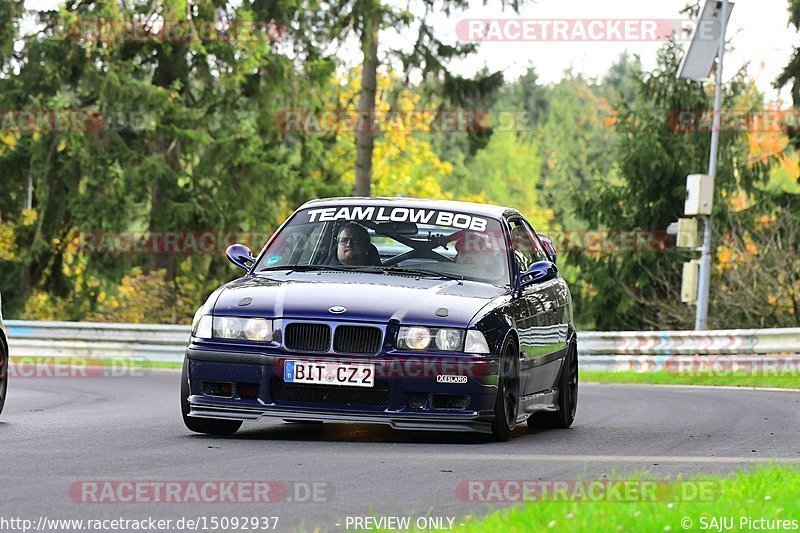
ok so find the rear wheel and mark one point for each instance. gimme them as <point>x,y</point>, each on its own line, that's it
<point>567,394</point>
<point>507,403</point>
<point>211,426</point>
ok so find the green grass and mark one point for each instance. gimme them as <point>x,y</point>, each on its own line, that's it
<point>699,378</point>
<point>137,363</point>
<point>132,363</point>
<point>769,492</point>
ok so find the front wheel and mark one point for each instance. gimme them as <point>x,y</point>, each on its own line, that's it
<point>507,402</point>
<point>212,426</point>
<point>567,394</point>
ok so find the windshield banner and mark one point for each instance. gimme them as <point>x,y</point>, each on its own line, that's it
<point>396,214</point>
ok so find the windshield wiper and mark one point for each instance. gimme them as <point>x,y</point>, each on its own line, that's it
<point>307,268</point>
<point>364,268</point>
<point>420,272</point>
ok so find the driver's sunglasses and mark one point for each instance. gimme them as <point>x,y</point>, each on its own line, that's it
<point>348,240</point>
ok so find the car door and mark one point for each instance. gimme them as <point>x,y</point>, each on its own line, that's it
<point>543,332</point>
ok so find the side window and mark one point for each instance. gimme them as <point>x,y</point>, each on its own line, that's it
<point>538,248</point>
<point>311,245</point>
<point>526,247</point>
<point>294,246</point>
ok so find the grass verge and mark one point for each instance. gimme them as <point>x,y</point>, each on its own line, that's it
<point>704,378</point>
<point>762,498</point>
<point>25,362</point>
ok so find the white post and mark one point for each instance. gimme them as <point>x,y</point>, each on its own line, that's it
<point>705,259</point>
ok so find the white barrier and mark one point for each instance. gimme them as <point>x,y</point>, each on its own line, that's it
<point>153,342</point>
<point>717,342</point>
<point>598,350</point>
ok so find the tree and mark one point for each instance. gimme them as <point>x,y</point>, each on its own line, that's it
<point>428,56</point>
<point>204,109</point>
<point>577,143</point>
<point>506,172</point>
<point>631,289</point>
<point>403,163</point>
<point>791,73</point>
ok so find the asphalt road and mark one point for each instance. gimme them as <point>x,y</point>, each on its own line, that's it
<point>57,434</point>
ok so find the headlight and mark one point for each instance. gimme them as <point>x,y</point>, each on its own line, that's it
<point>476,342</point>
<point>201,325</point>
<point>258,329</point>
<point>420,337</point>
<point>416,338</point>
<point>448,339</point>
<point>251,329</point>
<point>228,327</point>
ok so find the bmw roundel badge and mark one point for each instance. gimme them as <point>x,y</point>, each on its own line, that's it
<point>337,309</point>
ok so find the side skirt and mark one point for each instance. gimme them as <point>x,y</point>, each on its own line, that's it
<point>541,401</point>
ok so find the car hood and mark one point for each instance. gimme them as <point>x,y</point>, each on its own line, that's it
<point>365,296</point>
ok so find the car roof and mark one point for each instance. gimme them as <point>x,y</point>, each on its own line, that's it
<point>487,210</point>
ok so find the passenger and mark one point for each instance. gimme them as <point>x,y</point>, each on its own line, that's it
<point>478,252</point>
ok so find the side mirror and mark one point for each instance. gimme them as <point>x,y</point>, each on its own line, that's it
<point>549,248</point>
<point>240,255</point>
<point>539,272</point>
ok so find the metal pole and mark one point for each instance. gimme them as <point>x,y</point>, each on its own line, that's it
<point>705,259</point>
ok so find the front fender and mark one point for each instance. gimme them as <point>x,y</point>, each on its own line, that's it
<point>496,327</point>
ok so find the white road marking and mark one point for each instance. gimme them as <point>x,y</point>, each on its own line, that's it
<point>696,387</point>
<point>618,458</point>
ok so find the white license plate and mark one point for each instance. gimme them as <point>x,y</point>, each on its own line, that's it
<point>322,373</point>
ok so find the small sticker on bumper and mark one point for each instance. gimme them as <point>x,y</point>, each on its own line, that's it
<point>444,378</point>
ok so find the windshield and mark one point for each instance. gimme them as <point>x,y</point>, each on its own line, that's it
<point>426,242</point>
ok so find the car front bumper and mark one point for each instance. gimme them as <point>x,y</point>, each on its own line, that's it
<point>407,394</point>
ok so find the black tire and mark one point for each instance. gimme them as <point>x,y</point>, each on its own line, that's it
<point>567,394</point>
<point>212,426</point>
<point>3,376</point>
<point>506,404</point>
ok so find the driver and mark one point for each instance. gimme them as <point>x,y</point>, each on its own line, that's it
<point>352,245</point>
